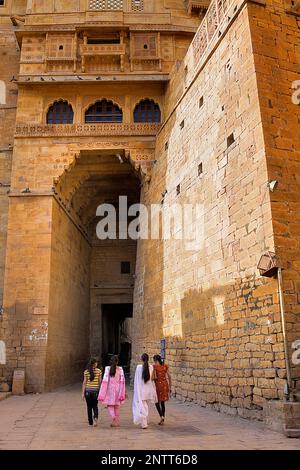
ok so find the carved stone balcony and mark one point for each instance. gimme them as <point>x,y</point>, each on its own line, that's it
<point>102,49</point>
<point>197,6</point>
<point>87,130</point>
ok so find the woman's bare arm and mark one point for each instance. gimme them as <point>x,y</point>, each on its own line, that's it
<point>83,386</point>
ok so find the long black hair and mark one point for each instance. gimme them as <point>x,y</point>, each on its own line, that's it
<point>158,358</point>
<point>146,371</point>
<point>113,366</point>
<point>90,368</point>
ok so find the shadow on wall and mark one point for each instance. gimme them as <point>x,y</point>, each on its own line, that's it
<point>228,306</point>
<point>230,351</point>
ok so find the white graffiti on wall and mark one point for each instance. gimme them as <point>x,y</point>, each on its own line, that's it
<point>296,354</point>
<point>39,334</point>
<point>296,93</point>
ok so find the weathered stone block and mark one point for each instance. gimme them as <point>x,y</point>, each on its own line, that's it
<point>18,384</point>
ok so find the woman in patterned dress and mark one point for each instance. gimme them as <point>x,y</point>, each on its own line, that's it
<point>162,379</point>
<point>112,392</point>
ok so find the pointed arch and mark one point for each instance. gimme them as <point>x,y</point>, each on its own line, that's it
<point>103,111</point>
<point>147,111</point>
<point>60,112</point>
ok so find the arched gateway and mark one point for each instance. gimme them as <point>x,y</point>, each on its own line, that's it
<point>78,299</point>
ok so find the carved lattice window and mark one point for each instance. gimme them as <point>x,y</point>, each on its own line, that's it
<point>106,4</point>
<point>147,111</point>
<point>144,46</point>
<point>137,5</point>
<point>104,111</point>
<point>60,112</point>
<point>60,47</point>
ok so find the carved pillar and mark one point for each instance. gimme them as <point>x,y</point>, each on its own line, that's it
<point>79,119</point>
<point>29,7</point>
<point>127,114</point>
<point>122,57</point>
<point>85,41</point>
<point>75,44</point>
<point>46,53</point>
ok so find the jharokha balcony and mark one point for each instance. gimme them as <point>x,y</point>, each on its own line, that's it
<point>102,50</point>
<point>81,130</point>
<point>197,6</point>
<point>112,48</point>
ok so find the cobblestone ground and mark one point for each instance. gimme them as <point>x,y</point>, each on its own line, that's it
<point>57,420</point>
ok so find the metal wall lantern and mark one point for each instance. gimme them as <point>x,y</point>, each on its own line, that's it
<point>268,264</point>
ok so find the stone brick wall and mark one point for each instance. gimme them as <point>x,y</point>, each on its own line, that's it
<point>69,305</point>
<point>24,325</point>
<point>9,66</point>
<point>5,168</point>
<point>220,318</point>
<point>13,323</point>
<point>275,38</point>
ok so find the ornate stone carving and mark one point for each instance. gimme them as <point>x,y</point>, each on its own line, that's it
<point>102,49</point>
<point>215,15</point>
<point>137,5</point>
<point>198,6</point>
<point>106,129</point>
<point>142,155</point>
<point>106,4</point>
<point>145,51</point>
<point>142,161</point>
<point>133,27</point>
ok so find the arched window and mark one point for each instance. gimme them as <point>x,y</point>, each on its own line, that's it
<point>60,112</point>
<point>104,111</point>
<point>147,111</point>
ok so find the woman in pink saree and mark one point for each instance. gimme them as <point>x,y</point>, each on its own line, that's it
<point>112,392</point>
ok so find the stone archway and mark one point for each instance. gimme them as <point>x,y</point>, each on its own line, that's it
<point>86,278</point>
<point>48,238</point>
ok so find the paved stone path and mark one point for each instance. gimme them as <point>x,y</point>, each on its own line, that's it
<point>57,420</point>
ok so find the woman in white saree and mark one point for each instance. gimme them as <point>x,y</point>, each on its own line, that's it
<point>144,392</point>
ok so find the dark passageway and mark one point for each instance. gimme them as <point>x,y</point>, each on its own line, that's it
<point>115,335</point>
